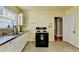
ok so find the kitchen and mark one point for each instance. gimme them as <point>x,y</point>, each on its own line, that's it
<point>20,26</point>
<point>39,29</point>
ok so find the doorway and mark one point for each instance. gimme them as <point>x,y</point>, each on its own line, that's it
<point>58,22</point>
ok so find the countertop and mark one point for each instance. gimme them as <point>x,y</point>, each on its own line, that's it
<point>5,39</point>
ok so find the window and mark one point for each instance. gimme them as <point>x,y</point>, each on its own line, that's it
<point>0,11</point>
<point>4,23</point>
<point>7,18</point>
<point>4,12</point>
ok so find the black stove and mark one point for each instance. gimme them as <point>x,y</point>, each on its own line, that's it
<point>42,37</point>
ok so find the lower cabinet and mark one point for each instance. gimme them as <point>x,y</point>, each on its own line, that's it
<point>15,45</point>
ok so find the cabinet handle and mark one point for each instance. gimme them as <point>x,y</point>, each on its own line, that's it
<point>5,47</point>
<point>10,42</point>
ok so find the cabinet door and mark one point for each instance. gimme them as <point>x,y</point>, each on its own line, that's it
<point>10,47</point>
<point>21,42</point>
<point>3,47</point>
<point>25,39</point>
<point>17,44</point>
<point>7,47</point>
<point>20,19</point>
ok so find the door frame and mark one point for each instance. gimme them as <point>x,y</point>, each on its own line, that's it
<point>62,28</point>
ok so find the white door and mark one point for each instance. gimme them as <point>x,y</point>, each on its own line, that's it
<point>70,28</point>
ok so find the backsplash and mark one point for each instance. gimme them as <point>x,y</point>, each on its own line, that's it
<point>5,31</point>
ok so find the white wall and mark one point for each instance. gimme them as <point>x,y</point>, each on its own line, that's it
<point>43,18</point>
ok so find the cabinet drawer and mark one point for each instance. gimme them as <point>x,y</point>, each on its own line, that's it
<point>9,46</point>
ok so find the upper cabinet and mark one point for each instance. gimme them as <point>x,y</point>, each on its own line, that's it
<point>20,19</point>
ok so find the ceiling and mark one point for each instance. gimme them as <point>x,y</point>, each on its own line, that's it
<point>34,8</point>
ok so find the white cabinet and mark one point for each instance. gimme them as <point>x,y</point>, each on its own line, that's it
<point>9,46</point>
<point>20,19</point>
<point>15,45</point>
<point>20,42</point>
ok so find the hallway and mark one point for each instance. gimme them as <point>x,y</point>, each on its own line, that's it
<point>53,47</point>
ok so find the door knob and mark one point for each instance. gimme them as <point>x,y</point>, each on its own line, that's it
<point>73,31</point>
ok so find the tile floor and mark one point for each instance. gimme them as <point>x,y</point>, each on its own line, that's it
<point>53,47</point>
